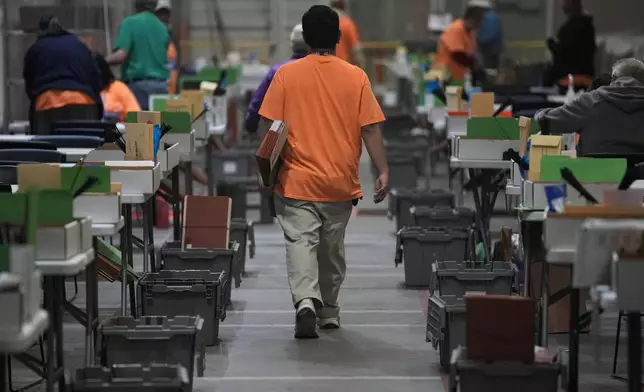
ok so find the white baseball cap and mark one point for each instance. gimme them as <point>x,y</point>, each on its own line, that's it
<point>297,34</point>
<point>480,3</point>
<point>163,4</point>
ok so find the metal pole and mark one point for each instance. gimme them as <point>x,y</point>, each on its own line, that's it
<point>4,42</point>
<point>108,30</point>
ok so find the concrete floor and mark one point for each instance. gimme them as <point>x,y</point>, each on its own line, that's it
<point>381,346</point>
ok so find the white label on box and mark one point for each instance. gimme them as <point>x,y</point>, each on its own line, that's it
<point>230,167</point>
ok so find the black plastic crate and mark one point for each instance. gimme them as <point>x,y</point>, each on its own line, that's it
<point>185,293</point>
<point>405,199</point>
<point>128,378</point>
<point>216,260</point>
<point>442,216</point>
<point>242,231</point>
<point>150,340</point>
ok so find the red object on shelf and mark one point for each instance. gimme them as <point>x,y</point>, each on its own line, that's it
<point>162,213</point>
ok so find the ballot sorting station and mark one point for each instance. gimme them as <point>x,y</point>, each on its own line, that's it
<point>58,217</point>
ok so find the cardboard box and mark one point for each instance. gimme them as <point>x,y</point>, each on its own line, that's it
<point>500,328</point>
<point>206,222</point>
<point>139,141</point>
<point>454,97</point>
<point>38,175</point>
<point>268,154</point>
<point>541,146</point>
<point>58,242</point>
<point>144,117</point>
<point>179,105</point>
<point>482,105</point>
<point>196,99</point>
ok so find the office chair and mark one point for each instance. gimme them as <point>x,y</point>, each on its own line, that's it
<point>32,155</point>
<point>26,144</point>
<point>71,141</point>
<point>95,132</point>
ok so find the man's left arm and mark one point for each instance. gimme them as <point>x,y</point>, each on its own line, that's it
<point>569,118</point>
<point>122,45</point>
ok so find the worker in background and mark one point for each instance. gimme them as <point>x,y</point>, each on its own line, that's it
<point>142,48</point>
<point>490,36</point>
<point>330,110</point>
<point>59,88</point>
<point>457,45</point>
<point>349,48</point>
<point>163,12</point>
<point>299,50</point>
<point>573,49</point>
<point>117,98</point>
<point>609,119</point>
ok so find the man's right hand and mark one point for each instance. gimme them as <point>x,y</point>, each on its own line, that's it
<point>381,188</point>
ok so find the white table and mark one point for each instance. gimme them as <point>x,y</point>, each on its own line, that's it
<point>70,267</point>
<point>75,154</point>
<point>491,164</point>
<point>29,334</point>
<point>107,229</point>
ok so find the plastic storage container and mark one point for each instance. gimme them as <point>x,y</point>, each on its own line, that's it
<point>442,216</point>
<point>185,293</point>
<point>446,325</point>
<point>128,378</point>
<point>217,260</point>
<point>460,277</point>
<point>237,189</point>
<point>504,376</point>
<point>232,163</point>
<point>421,247</point>
<point>405,199</point>
<point>403,170</point>
<point>417,146</point>
<point>148,340</point>
<point>242,231</point>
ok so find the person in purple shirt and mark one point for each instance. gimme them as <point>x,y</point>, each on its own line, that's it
<point>299,50</point>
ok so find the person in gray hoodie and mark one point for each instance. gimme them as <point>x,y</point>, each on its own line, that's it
<point>610,119</point>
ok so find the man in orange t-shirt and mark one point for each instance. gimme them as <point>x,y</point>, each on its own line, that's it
<point>457,46</point>
<point>349,48</point>
<point>330,109</point>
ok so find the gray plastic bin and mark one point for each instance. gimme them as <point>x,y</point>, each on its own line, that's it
<point>232,163</point>
<point>237,189</point>
<point>458,278</point>
<point>405,199</point>
<point>242,231</point>
<point>442,216</point>
<point>421,247</point>
<point>128,378</point>
<point>446,325</point>
<point>185,293</point>
<point>418,146</point>
<point>504,376</point>
<point>216,260</point>
<point>148,340</point>
<point>403,170</point>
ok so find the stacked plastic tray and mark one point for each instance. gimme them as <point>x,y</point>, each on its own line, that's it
<point>128,378</point>
<point>450,282</point>
<point>402,201</point>
<point>186,293</point>
<point>476,376</point>
<point>242,231</point>
<point>216,260</point>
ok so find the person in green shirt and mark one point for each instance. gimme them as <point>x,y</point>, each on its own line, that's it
<point>141,48</point>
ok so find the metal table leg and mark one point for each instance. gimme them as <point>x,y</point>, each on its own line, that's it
<point>634,322</point>
<point>54,301</point>
<point>573,342</point>
<point>126,254</point>
<point>91,295</point>
<point>545,303</point>
<point>209,169</point>
<point>147,221</point>
<point>188,177</point>
<point>149,229</point>
<point>176,200</point>
<point>479,215</point>
<point>4,373</point>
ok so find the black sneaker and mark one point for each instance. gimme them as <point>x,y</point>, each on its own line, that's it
<point>305,320</point>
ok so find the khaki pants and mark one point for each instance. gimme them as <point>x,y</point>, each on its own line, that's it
<point>314,236</point>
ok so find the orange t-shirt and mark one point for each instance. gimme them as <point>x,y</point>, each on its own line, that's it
<point>348,40</point>
<point>455,39</point>
<point>325,102</point>
<point>54,99</point>
<point>118,100</point>
<point>172,66</point>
